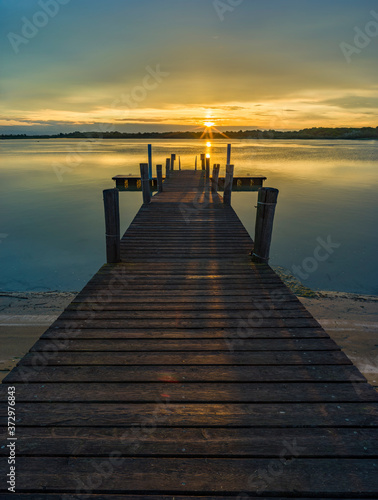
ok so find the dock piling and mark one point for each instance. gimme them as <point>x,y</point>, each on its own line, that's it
<point>159,175</point>
<point>167,168</point>
<point>173,157</point>
<point>145,183</point>
<point>207,168</point>
<point>203,161</point>
<point>150,161</point>
<point>112,225</point>
<point>266,206</point>
<point>228,184</point>
<point>228,154</point>
<point>215,177</point>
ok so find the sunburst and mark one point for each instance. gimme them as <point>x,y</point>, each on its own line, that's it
<point>207,133</point>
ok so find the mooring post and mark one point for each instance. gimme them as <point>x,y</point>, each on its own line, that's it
<point>159,175</point>
<point>179,162</point>
<point>228,184</point>
<point>215,177</point>
<point>150,161</point>
<point>173,157</point>
<point>228,154</point>
<point>112,225</point>
<point>203,161</point>
<point>195,164</point>
<point>145,183</point>
<point>167,167</point>
<point>207,168</point>
<point>266,206</point>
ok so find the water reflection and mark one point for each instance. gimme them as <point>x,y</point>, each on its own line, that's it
<point>55,226</point>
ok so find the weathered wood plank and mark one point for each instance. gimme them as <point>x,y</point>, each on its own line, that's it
<point>179,322</point>
<point>192,358</point>
<point>215,392</point>
<point>252,317</point>
<point>205,441</point>
<point>188,373</point>
<point>227,344</point>
<point>302,476</point>
<point>163,413</point>
<point>231,334</point>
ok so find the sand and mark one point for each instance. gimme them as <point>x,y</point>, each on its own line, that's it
<point>351,320</point>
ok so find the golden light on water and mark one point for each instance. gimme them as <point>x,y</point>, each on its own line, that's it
<point>207,156</point>
<point>208,144</point>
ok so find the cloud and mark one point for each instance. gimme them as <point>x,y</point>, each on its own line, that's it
<point>353,102</point>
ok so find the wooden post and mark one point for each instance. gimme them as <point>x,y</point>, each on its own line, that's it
<point>228,154</point>
<point>173,157</point>
<point>179,162</point>
<point>266,206</point>
<point>112,225</point>
<point>214,184</point>
<point>167,167</point>
<point>207,168</point>
<point>149,161</point>
<point>159,175</point>
<point>195,164</point>
<point>203,161</point>
<point>145,183</point>
<point>228,184</point>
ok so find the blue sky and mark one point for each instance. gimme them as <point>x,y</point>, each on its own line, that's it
<point>173,64</point>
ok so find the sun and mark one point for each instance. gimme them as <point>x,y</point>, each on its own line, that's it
<point>208,131</point>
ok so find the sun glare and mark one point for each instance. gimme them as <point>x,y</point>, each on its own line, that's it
<point>207,156</point>
<point>208,144</point>
<point>209,124</point>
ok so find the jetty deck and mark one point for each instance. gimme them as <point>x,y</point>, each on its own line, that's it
<point>187,371</point>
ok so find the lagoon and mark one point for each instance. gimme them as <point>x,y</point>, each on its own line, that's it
<point>52,223</point>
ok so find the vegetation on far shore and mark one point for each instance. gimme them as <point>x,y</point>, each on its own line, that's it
<point>307,133</point>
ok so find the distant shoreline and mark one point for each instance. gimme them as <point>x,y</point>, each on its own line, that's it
<point>316,133</point>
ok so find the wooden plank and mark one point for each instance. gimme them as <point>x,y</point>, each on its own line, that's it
<point>162,413</point>
<point>128,291</point>
<point>188,373</point>
<point>182,323</point>
<point>171,475</point>
<point>107,496</point>
<point>238,344</point>
<point>216,392</point>
<point>231,334</point>
<point>205,441</point>
<point>193,357</point>
<point>131,303</point>
<point>252,317</point>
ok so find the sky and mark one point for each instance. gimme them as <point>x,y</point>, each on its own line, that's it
<point>156,65</point>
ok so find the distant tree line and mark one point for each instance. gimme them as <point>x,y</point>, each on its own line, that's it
<point>307,133</point>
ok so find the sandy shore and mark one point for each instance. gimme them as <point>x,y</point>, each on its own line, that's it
<point>351,320</point>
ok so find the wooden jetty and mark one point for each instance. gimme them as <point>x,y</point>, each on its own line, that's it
<point>188,371</point>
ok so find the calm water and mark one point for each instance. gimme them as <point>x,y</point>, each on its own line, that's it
<point>52,230</point>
